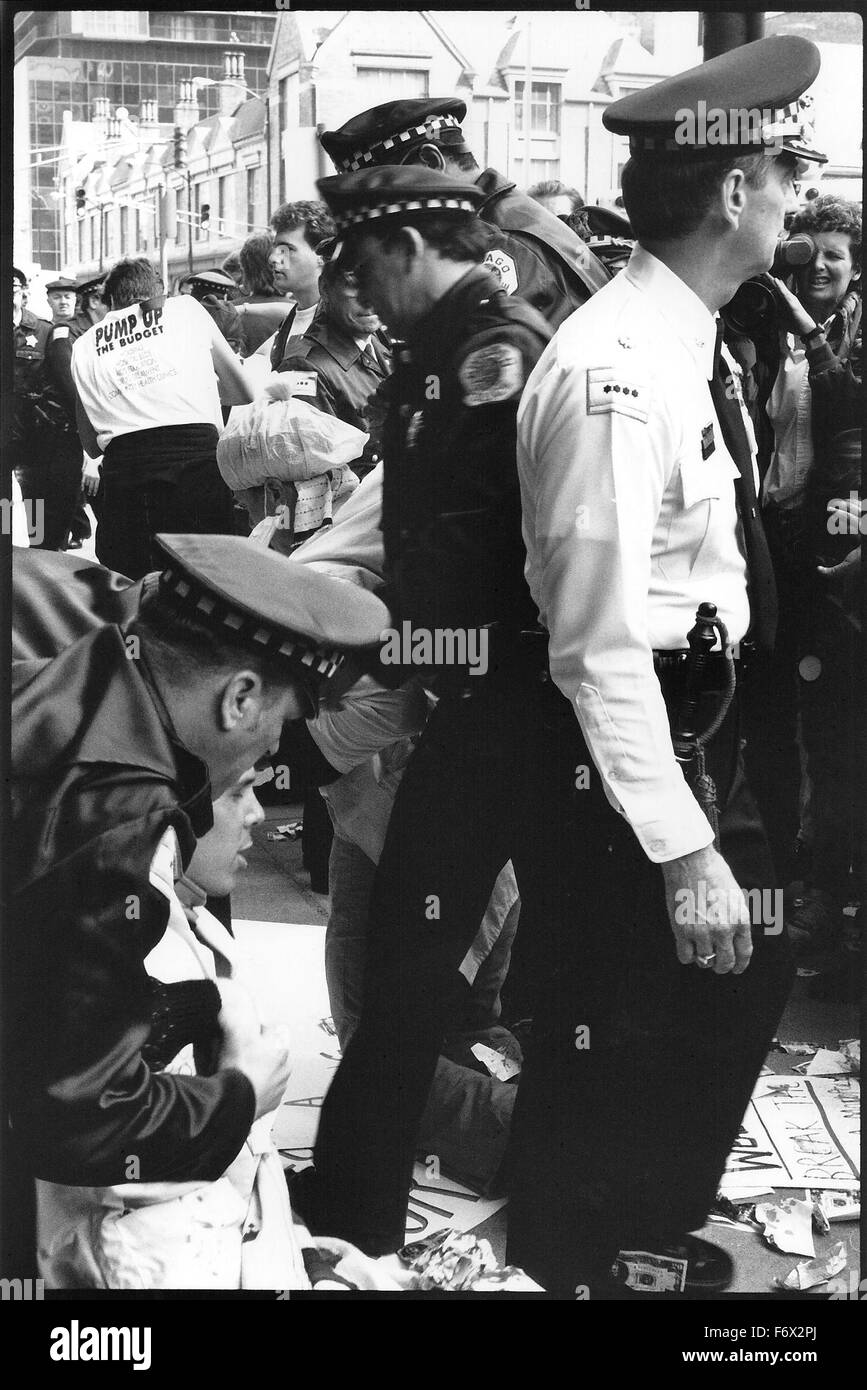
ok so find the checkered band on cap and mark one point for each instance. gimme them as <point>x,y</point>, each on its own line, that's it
<point>345,220</point>
<point>785,124</point>
<point>362,158</point>
<point>188,596</point>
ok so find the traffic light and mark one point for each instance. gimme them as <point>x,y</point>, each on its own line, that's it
<point>205,217</point>
<point>180,148</point>
<point>80,202</point>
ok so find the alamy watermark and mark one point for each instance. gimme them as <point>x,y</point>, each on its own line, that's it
<point>765,906</point>
<point>742,125</point>
<point>33,509</point>
<point>438,646</point>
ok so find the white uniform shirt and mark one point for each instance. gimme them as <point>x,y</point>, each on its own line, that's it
<point>140,369</point>
<point>628,527</point>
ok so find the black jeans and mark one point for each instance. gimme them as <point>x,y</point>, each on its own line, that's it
<point>193,499</point>
<point>51,482</point>
<point>615,1142</point>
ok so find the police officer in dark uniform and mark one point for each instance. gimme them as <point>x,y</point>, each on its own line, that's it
<point>114,768</point>
<point>534,254</point>
<point>92,308</point>
<point>454,562</point>
<point>29,338</point>
<point>57,435</point>
<point>215,290</point>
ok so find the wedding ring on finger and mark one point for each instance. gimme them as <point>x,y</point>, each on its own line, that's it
<point>705,962</point>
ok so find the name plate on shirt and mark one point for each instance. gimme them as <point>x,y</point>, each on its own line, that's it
<point>301,383</point>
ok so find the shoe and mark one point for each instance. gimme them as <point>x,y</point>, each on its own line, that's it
<point>814,921</point>
<point>691,1265</point>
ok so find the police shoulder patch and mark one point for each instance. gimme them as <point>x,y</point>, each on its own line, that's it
<point>493,373</point>
<point>611,391</point>
<point>504,268</point>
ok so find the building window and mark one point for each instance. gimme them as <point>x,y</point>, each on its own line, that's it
<point>543,169</point>
<point>401,82</point>
<point>81,252</point>
<point>124,231</point>
<point>116,23</point>
<point>256,214</point>
<point>545,101</point>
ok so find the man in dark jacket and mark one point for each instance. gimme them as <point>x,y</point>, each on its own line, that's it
<point>347,350</point>
<point>121,741</point>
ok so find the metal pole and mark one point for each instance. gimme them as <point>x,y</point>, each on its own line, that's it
<point>724,30</point>
<point>269,208</point>
<point>190,218</point>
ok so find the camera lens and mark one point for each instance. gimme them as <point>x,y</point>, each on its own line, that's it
<point>752,308</point>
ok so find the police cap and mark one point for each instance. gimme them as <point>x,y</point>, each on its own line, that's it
<point>91,286</point>
<point>389,133</point>
<point>264,601</point>
<point>208,281</point>
<point>744,101</point>
<point>369,195</point>
<point>61,283</point>
<point>18,277</point>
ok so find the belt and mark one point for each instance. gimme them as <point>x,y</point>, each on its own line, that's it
<point>669,660</point>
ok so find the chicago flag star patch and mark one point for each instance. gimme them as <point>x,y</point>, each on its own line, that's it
<point>490,374</point>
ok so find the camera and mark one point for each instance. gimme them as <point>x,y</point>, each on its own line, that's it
<point>753,310</point>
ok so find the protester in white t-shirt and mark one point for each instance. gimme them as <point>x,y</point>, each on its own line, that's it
<point>150,379</point>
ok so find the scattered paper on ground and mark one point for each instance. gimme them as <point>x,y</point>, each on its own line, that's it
<point>812,1272</point>
<point>798,1132</point>
<point>787,1225</point>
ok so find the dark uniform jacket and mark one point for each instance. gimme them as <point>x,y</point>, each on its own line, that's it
<point>536,255</point>
<point>60,394</point>
<point>29,341</point>
<point>97,777</point>
<point>347,378</point>
<point>451,499</point>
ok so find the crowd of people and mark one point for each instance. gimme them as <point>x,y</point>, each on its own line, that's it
<point>618,530</point>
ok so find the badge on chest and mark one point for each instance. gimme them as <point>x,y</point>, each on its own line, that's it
<point>708,443</point>
<point>413,429</point>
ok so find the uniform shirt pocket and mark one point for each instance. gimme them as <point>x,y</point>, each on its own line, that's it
<point>705,486</point>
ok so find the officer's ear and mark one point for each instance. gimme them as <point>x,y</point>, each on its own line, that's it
<point>431,156</point>
<point>732,197</point>
<point>408,242</point>
<point>240,701</point>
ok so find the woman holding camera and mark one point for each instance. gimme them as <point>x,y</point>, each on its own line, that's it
<point>812,511</point>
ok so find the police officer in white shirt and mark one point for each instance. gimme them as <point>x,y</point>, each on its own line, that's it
<point>639,494</point>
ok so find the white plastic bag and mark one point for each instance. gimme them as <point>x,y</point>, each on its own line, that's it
<point>287,439</point>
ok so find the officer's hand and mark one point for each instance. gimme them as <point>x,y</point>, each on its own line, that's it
<point>708,912</point>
